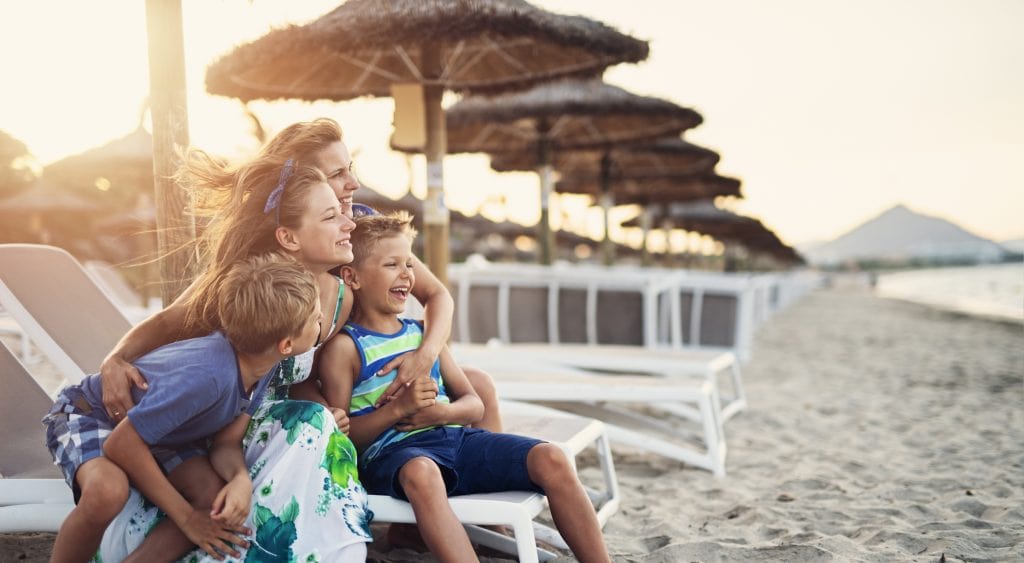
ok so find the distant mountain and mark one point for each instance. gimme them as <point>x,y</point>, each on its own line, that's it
<point>900,235</point>
<point>1013,245</point>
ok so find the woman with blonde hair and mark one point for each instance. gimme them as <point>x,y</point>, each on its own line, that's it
<point>253,208</point>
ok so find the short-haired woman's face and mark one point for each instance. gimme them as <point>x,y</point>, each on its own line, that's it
<point>336,163</point>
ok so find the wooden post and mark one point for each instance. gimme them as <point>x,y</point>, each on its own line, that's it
<point>175,229</point>
<point>545,237</point>
<point>607,200</point>
<point>436,216</point>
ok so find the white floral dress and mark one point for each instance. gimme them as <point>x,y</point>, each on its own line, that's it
<point>308,504</point>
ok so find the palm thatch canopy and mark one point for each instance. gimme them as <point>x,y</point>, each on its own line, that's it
<point>662,189</point>
<point>126,163</point>
<point>364,46</point>
<point>566,114</point>
<point>705,218</point>
<point>45,197</point>
<point>659,158</point>
<point>133,151</point>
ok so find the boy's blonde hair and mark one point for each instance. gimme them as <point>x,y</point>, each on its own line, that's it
<point>370,229</point>
<point>263,299</point>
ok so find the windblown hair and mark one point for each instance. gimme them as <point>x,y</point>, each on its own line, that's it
<point>244,229</point>
<point>263,299</point>
<point>231,199</point>
<point>371,229</point>
<point>216,186</point>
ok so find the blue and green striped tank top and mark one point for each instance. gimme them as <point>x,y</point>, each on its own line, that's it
<point>375,350</point>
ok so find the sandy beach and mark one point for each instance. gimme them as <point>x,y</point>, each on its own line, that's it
<point>877,430</point>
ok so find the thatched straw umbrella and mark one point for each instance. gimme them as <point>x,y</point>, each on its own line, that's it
<point>648,191</point>
<point>672,157</point>
<point>44,208</point>
<point>123,168</point>
<point>669,156</point>
<point>370,47</point>
<point>561,116</point>
<point>704,217</point>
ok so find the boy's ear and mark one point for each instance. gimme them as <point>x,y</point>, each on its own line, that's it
<point>286,238</point>
<point>348,273</point>
<point>285,346</point>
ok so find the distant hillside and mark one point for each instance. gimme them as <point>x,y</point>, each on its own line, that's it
<point>1013,245</point>
<point>900,235</point>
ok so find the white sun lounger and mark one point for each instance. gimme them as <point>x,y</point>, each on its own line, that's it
<point>33,497</point>
<point>718,367</point>
<point>41,284</point>
<point>522,376</point>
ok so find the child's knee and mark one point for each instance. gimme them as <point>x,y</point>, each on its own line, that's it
<point>548,464</point>
<point>103,496</point>
<point>420,474</point>
<point>482,383</point>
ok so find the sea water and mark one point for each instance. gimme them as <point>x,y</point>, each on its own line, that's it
<point>990,290</point>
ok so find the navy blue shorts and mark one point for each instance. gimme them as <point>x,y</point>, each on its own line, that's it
<point>472,460</point>
<point>75,433</point>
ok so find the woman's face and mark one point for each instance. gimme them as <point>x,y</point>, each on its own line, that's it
<point>324,232</point>
<point>336,163</point>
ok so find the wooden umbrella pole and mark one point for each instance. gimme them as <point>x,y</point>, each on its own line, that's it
<point>607,201</point>
<point>176,229</point>
<point>545,237</point>
<point>436,216</point>
<point>645,227</point>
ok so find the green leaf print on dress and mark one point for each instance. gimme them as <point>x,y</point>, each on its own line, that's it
<point>293,414</point>
<point>275,534</point>
<point>342,484</point>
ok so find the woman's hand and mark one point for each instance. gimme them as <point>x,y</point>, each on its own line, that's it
<point>117,378</point>
<point>410,366</point>
<point>212,536</point>
<point>341,418</point>
<point>231,507</point>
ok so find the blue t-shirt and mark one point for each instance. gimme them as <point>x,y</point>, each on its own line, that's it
<point>195,389</point>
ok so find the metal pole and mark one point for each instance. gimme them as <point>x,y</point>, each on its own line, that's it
<point>176,229</point>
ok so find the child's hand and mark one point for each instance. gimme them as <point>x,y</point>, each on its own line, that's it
<point>213,537</point>
<point>231,507</point>
<point>434,415</point>
<point>420,394</point>
<point>341,418</point>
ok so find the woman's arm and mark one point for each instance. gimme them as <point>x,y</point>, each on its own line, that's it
<point>118,375</point>
<point>231,506</point>
<point>439,308</point>
<point>465,408</point>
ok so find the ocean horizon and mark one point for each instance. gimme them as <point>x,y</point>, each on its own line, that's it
<point>987,290</point>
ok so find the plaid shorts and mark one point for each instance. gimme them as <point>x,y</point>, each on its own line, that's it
<point>75,433</point>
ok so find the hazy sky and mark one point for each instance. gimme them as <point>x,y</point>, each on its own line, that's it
<point>829,111</point>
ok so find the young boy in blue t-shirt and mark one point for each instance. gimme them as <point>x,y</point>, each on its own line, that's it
<point>269,309</point>
<point>417,446</point>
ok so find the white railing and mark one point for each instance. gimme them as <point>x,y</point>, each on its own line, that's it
<point>651,307</point>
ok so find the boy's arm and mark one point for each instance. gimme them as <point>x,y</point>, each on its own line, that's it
<point>233,502</point>
<point>465,407</point>
<point>339,369</point>
<point>126,448</point>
